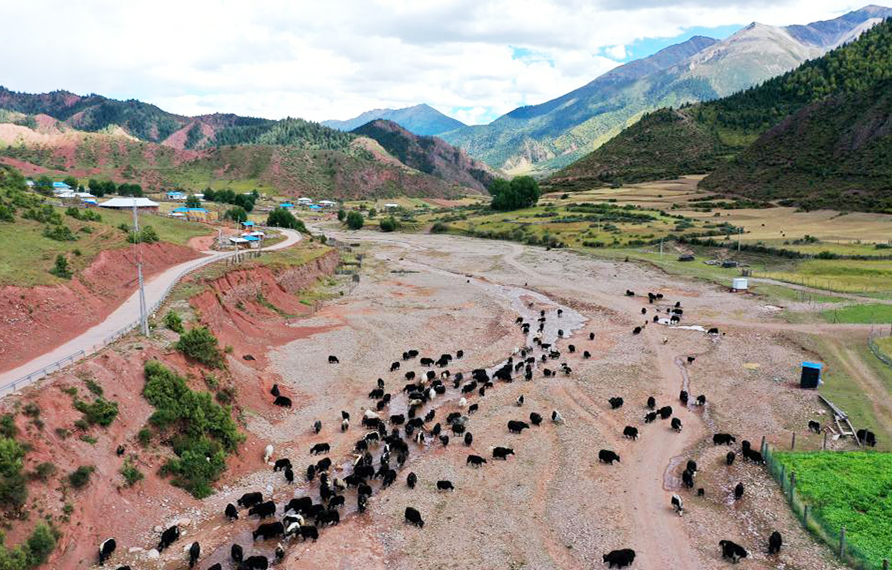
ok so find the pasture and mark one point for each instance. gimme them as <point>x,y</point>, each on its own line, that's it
<point>850,489</point>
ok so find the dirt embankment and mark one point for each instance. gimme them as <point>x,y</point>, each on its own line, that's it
<point>106,507</point>
<point>37,319</point>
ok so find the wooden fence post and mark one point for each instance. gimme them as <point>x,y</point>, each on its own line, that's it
<point>783,476</point>
<point>792,485</point>
<point>842,542</point>
<point>824,445</point>
<point>805,517</point>
<point>793,444</point>
<point>762,447</point>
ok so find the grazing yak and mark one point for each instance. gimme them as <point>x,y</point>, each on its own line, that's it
<point>282,401</point>
<point>866,437</point>
<point>607,456</point>
<point>676,424</point>
<point>282,464</point>
<point>630,432</point>
<point>535,418</point>
<point>651,402</point>
<point>469,438</point>
<point>619,558</point>
<point>723,439</point>
<point>636,330</point>
<point>814,426</point>
<point>333,359</point>
<point>665,412</point>
<point>411,479</point>
<point>106,549</point>
<point>254,563</point>
<point>556,417</point>
<point>615,403</point>
<point>516,426</point>
<point>317,426</point>
<point>263,510</point>
<point>729,458</point>
<point>444,485</point>
<point>168,537</point>
<point>414,517</point>
<point>650,417</point>
<point>194,553</point>
<point>775,541</point>
<point>687,479</point>
<point>475,461</point>
<point>319,448</point>
<point>237,553</point>
<point>231,512</point>
<point>738,492</point>
<point>683,397</point>
<point>250,499</point>
<point>502,452</point>
<point>732,551</point>
<point>678,505</point>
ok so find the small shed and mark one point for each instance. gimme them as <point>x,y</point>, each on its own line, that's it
<point>248,225</point>
<point>287,205</point>
<point>739,284</point>
<point>811,375</point>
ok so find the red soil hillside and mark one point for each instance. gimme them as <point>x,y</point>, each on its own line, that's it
<point>37,319</point>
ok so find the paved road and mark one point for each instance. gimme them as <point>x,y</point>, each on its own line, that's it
<point>92,339</point>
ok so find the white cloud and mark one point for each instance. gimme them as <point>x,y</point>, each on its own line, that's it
<point>321,60</point>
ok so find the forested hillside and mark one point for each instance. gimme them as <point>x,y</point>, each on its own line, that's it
<point>430,155</point>
<point>834,154</point>
<point>697,138</point>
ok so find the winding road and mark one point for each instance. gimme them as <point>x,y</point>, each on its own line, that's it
<point>125,315</point>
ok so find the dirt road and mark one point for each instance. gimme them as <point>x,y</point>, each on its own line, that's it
<point>92,339</point>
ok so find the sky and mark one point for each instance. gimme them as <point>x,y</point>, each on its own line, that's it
<point>471,59</point>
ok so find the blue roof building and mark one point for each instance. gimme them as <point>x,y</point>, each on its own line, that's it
<point>61,186</point>
<point>286,205</point>
<point>187,210</point>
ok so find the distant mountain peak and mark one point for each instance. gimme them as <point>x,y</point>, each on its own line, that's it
<point>420,119</point>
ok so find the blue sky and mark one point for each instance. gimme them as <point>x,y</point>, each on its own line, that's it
<point>648,46</point>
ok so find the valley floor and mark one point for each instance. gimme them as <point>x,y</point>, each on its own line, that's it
<point>552,505</point>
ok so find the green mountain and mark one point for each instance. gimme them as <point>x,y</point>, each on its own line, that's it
<point>556,133</point>
<point>430,155</point>
<point>832,154</point>
<point>699,138</point>
<point>421,120</point>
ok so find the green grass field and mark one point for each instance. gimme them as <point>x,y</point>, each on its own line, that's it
<point>29,265</point>
<point>850,489</point>
<point>867,314</point>
<point>847,276</point>
<point>885,345</point>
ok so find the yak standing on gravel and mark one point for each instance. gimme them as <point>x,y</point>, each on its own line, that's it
<point>619,558</point>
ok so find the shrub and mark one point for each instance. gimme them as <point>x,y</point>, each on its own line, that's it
<point>31,410</point>
<point>59,232</point>
<point>61,269</point>
<point>145,235</point>
<point>282,218</point>
<point>6,213</point>
<point>131,474</point>
<point>80,477</point>
<point>388,224</point>
<point>13,490</point>
<point>43,471</point>
<point>342,214</point>
<point>144,437</point>
<point>173,321</point>
<point>93,386</point>
<point>201,345</point>
<point>204,430</point>
<point>7,426</point>
<point>40,544</point>
<point>372,213</point>
<point>100,411</point>
<point>354,220</point>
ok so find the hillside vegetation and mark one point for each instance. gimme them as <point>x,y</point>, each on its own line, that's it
<point>697,138</point>
<point>430,155</point>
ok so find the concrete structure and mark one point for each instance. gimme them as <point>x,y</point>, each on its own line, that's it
<point>739,284</point>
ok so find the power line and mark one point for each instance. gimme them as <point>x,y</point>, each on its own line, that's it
<point>143,313</point>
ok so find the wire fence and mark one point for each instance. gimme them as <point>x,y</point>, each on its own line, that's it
<point>812,520</point>
<point>876,350</point>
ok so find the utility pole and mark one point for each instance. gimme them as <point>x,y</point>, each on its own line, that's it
<point>661,248</point>
<point>143,313</point>
<point>739,232</point>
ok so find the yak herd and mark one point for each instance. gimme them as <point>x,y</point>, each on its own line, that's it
<point>388,439</point>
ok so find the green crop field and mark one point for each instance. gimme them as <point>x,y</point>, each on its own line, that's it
<point>867,314</point>
<point>849,276</point>
<point>850,489</point>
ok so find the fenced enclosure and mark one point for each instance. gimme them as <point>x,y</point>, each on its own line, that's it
<point>812,516</point>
